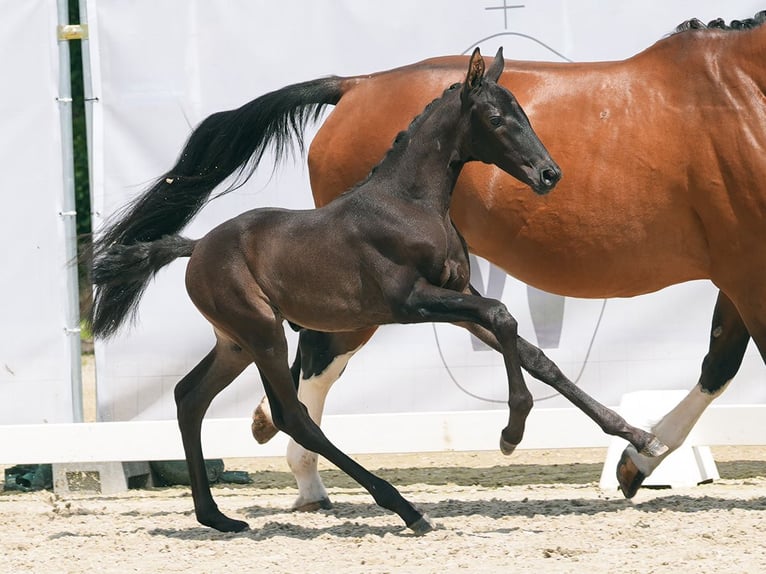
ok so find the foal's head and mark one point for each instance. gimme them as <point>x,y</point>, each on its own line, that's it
<point>499,130</point>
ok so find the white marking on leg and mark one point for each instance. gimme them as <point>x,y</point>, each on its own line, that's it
<point>676,425</point>
<point>312,392</point>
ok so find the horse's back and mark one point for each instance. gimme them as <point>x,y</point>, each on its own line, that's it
<point>649,148</point>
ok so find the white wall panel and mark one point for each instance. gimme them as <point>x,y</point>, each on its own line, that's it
<point>35,369</point>
<point>161,67</point>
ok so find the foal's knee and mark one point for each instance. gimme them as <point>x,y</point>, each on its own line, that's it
<point>504,323</point>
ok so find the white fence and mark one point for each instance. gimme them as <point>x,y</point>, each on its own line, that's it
<point>158,68</point>
<point>355,434</point>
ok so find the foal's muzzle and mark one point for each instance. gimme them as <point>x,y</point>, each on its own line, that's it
<point>548,177</point>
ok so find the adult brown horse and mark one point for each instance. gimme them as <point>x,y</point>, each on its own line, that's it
<point>664,161</point>
<point>664,156</point>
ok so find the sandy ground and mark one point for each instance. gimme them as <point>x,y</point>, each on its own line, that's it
<point>537,511</point>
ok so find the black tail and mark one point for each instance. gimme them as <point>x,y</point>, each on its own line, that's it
<point>122,272</point>
<point>225,143</point>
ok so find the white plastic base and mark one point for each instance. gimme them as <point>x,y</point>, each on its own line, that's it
<point>101,477</point>
<point>689,465</point>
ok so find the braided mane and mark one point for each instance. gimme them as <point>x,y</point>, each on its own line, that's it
<point>403,137</point>
<point>720,24</point>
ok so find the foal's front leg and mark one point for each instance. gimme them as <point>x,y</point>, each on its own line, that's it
<point>537,364</point>
<point>429,303</point>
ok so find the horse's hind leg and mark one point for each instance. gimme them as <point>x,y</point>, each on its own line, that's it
<point>322,357</point>
<point>193,395</point>
<point>292,417</point>
<point>728,341</point>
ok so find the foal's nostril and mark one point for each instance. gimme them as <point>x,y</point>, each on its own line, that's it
<point>550,176</point>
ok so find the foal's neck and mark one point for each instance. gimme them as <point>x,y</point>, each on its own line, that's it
<point>425,161</point>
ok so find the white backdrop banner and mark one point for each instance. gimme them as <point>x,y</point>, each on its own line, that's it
<point>35,364</point>
<point>162,67</point>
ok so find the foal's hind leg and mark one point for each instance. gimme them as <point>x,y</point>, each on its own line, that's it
<point>322,358</point>
<point>728,341</point>
<point>292,417</point>
<point>193,395</point>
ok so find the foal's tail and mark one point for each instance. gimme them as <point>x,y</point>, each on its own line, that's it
<point>126,252</point>
<point>225,143</point>
<point>122,272</point>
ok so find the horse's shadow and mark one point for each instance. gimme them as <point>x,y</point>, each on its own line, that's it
<point>279,521</point>
<point>353,513</point>
<point>275,529</point>
<point>497,508</point>
<point>488,477</point>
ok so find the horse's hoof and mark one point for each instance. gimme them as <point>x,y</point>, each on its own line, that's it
<point>654,448</point>
<point>507,447</point>
<point>225,524</point>
<point>629,477</point>
<point>423,525</point>
<point>262,428</point>
<point>321,504</point>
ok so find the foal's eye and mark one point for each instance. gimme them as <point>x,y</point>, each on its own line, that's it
<point>496,120</point>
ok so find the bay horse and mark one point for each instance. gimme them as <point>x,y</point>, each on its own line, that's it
<point>665,162</point>
<point>385,251</point>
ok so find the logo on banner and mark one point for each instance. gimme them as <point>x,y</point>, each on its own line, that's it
<point>526,38</point>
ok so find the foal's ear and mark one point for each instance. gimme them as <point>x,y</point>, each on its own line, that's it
<point>497,66</point>
<point>475,71</point>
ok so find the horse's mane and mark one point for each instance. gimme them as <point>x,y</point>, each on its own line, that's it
<point>720,24</point>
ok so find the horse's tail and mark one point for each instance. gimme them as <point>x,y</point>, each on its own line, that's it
<point>225,143</point>
<point>122,272</point>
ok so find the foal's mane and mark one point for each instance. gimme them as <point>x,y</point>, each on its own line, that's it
<point>720,24</point>
<point>403,137</point>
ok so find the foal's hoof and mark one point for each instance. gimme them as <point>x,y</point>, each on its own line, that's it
<point>654,448</point>
<point>507,447</point>
<point>262,428</point>
<point>321,504</point>
<point>423,525</point>
<point>629,477</point>
<point>224,524</point>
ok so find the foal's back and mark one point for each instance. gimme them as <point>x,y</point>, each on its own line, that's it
<point>330,269</point>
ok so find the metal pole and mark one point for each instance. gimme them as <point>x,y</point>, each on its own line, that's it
<point>90,102</point>
<point>90,99</point>
<point>68,214</point>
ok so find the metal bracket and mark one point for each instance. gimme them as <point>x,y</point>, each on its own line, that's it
<point>72,32</point>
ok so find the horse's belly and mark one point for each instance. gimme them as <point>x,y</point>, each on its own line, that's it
<point>573,265</point>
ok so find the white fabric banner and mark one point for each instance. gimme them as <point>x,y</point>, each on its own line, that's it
<point>35,364</point>
<point>162,67</point>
